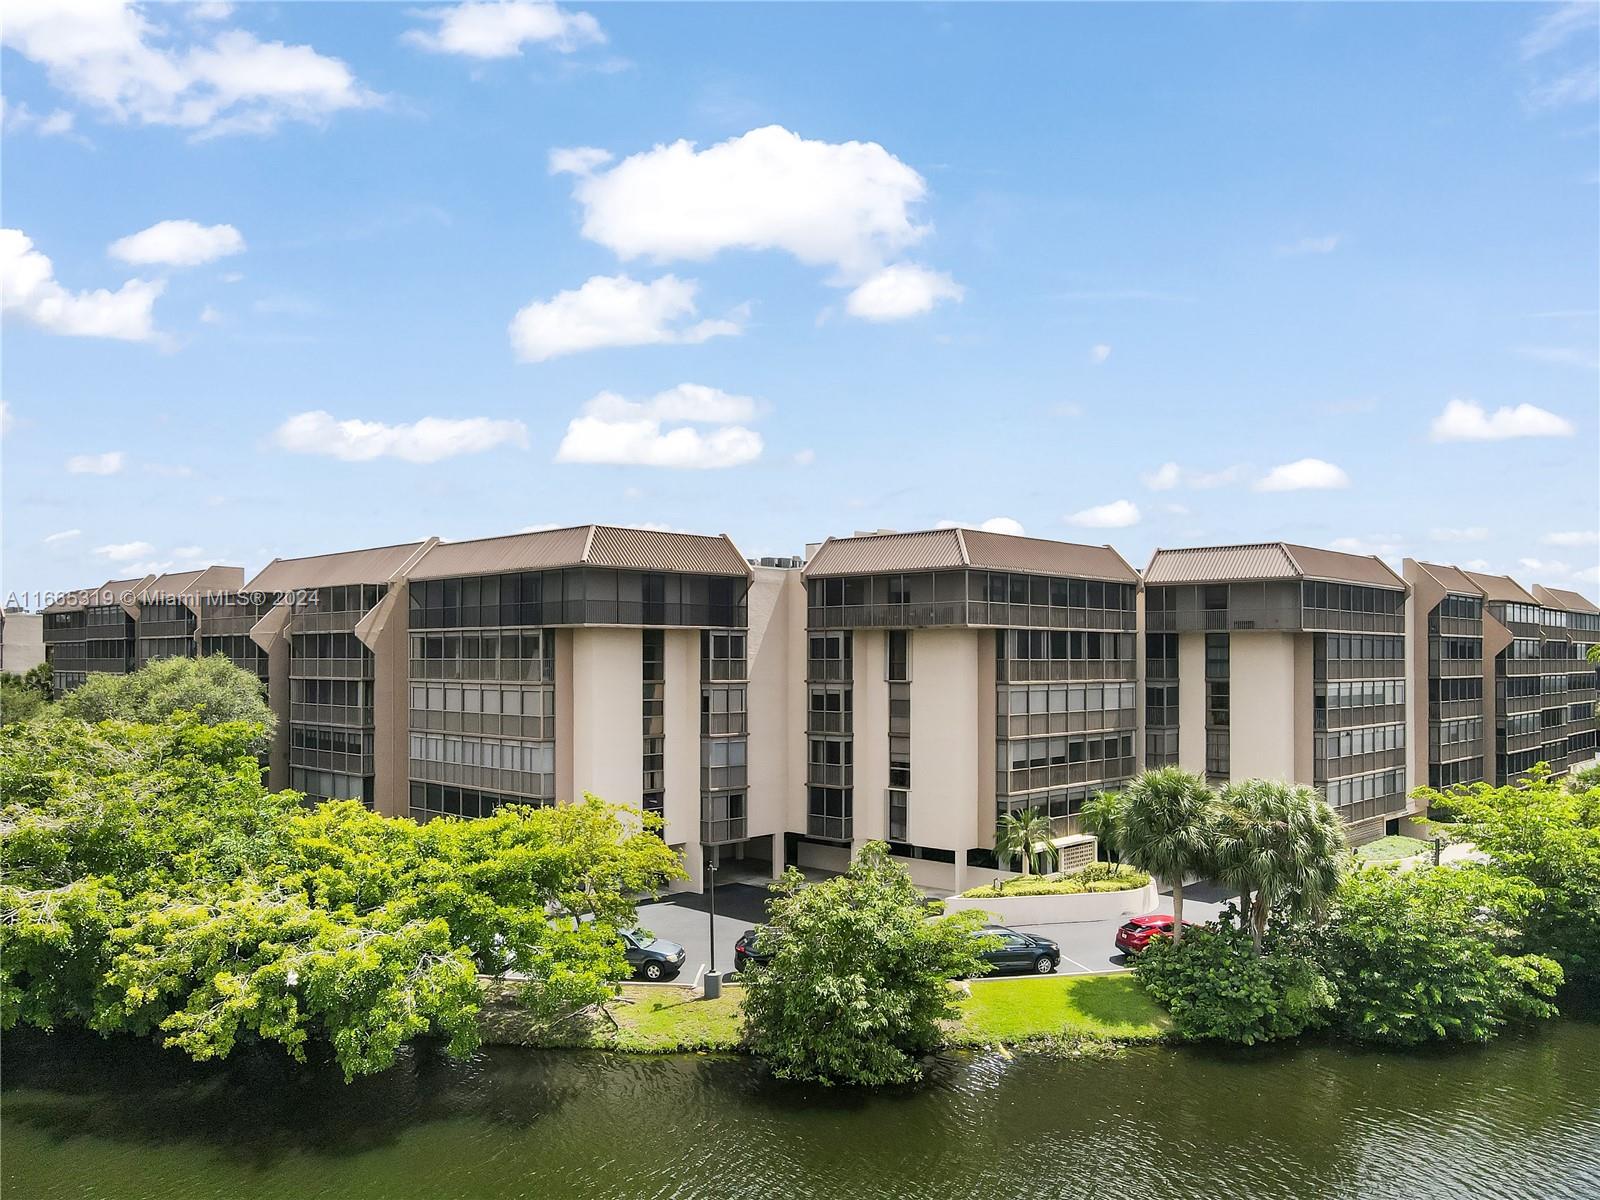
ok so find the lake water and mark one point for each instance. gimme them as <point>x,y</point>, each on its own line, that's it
<point>121,1120</point>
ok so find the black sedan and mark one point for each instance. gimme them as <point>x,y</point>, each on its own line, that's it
<point>652,958</point>
<point>746,952</point>
<point>1018,952</point>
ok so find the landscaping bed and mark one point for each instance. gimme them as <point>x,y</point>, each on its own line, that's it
<point>1100,877</point>
<point>1393,848</point>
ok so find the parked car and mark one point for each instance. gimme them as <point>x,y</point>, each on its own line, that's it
<point>652,958</point>
<point>1135,935</point>
<point>1019,951</point>
<point>745,952</point>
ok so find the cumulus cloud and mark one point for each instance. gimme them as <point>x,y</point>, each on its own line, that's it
<point>1119,514</point>
<point>28,290</point>
<point>109,463</point>
<point>612,429</point>
<point>900,291</point>
<point>500,29</point>
<point>1466,421</point>
<point>178,244</point>
<point>17,117</point>
<point>109,55</point>
<point>1099,353</point>
<point>848,205</point>
<point>122,552</point>
<point>613,310</point>
<point>1303,474</point>
<point>993,525</point>
<point>1574,537</point>
<point>577,160</point>
<point>1170,475</point>
<point>427,440</point>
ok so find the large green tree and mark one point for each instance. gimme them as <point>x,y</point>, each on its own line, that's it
<point>212,688</point>
<point>860,976</point>
<point>1549,835</point>
<point>20,699</point>
<point>1280,847</point>
<point>1164,829</point>
<point>151,885</point>
<point>1102,816</point>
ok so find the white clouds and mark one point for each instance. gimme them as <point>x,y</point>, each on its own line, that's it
<point>900,291</point>
<point>1465,421</point>
<point>1559,25</point>
<point>1577,80</point>
<point>611,429</point>
<point>1324,244</point>
<point>427,440</point>
<point>6,417</point>
<point>1575,537</point>
<point>210,316</point>
<point>108,55</point>
<point>613,310</point>
<point>1301,475</point>
<point>1384,545</point>
<point>1170,475</point>
<point>578,160</point>
<point>1545,566</point>
<point>28,289</point>
<point>178,244</point>
<point>17,117</point>
<point>1473,533</point>
<point>500,30</point>
<point>1099,353</point>
<point>66,535</point>
<point>122,552</point>
<point>1560,356</point>
<point>109,463</point>
<point>1119,514</point>
<point>846,205</point>
<point>993,525</point>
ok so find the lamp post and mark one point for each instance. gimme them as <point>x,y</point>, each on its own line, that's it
<point>713,982</point>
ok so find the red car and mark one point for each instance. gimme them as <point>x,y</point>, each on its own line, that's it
<point>1136,934</point>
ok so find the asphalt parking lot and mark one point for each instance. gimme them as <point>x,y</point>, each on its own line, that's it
<point>1086,946</point>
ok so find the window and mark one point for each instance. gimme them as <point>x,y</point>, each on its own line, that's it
<point>899,656</point>
<point>899,815</point>
<point>830,813</point>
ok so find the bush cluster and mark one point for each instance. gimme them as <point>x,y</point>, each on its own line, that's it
<point>1097,877</point>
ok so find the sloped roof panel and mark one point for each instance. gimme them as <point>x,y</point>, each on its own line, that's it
<point>376,565</point>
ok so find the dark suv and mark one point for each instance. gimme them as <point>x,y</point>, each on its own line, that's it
<point>1019,951</point>
<point>651,958</point>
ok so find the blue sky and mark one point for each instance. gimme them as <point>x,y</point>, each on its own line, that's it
<point>1148,275</point>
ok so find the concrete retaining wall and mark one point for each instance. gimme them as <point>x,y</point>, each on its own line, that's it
<point>1060,910</point>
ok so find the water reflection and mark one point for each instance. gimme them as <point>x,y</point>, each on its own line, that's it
<point>118,1119</point>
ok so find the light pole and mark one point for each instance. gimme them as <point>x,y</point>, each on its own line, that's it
<point>713,987</point>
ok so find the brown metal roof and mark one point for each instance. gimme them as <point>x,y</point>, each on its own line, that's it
<point>956,549</point>
<point>191,584</point>
<point>112,591</point>
<point>1567,601</point>
<point>1452,579</point>
<point>1501,587</point>
<point>376,565</point>
<point>1265,561</point>
<point>613,546</point>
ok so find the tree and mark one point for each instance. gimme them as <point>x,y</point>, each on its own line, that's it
<point>1164,829</point>
<point>212,688</point>
<point>860,977</point>
<point>1430,954</point>
<point>1101,816</point>
<point>1280,846</point>
<point>1550,836</point>
<point>1593,653</point>
<point>149,884</point>
<point>19,699</point>
<point>1025,835</point>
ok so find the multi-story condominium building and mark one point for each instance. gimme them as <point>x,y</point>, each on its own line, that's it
<point>954,675</point>
<point>1283,662</point>
<point>21,640</point>
<point>1453,648</point>
<point>125,623</point>
<point>909,687</point>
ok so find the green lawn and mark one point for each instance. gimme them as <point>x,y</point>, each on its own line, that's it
<point>1391,849</point>
<point>666,1020</point>
<point>1109,1007</point>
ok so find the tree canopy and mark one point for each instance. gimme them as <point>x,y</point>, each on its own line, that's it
<point>153,886</point>
<point>860,975</point>
<point>212,688</point>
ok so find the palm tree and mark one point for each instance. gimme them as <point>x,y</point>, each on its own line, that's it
<point>1102,817</point>
<point>1164,829</point>
<point>1024,835</point>
<point>1280,846</point>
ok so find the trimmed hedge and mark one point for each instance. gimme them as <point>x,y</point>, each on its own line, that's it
<point>1097,877</point>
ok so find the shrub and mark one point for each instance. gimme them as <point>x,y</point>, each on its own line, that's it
<point>1425,955</point>
<point>1218,988</point>
<point>860,982</point>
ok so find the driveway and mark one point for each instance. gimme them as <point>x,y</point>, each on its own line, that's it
<point>1086,946</point>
